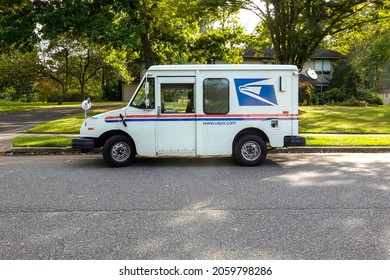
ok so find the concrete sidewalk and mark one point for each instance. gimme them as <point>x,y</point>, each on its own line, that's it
<point>16,124</point>
<point>7,148</point>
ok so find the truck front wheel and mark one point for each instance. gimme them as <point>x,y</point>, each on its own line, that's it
<point>250,150</point>
<point>119,151</point>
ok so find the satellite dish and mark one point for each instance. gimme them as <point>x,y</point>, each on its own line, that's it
<point>312,74</point>
<point>86,104</point>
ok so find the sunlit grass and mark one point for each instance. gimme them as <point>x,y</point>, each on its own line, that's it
<point>12,106</point>
<point>70,124</point>
<point>7,106</point>
<point>347,140</point>
<point>336,119</point>
<point>65,125</point>
<point>42,141</point>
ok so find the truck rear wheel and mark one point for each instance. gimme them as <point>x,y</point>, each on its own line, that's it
<point>250,150</point>
<point>119,151</point>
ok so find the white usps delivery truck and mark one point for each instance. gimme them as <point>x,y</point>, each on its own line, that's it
<point>200,110</point>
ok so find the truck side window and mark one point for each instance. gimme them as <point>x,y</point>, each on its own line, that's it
<point>139,99</point>
<point>216,96</point>
<point>177,98</point>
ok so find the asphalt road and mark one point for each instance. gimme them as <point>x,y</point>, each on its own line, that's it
<point>21,121</point>
<point>294,206</point>
<point>16,123</point>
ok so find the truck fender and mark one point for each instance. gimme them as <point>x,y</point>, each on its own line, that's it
<point>108,134</point>
<point>250,130</point>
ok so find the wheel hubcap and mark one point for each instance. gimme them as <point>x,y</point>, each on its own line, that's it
<point>121,151</point>
<point>251,151</point>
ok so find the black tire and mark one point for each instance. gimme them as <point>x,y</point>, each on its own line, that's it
<point>119,151</point>
<point>250,150</point>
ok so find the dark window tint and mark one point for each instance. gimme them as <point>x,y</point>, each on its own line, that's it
<point>216,96</point>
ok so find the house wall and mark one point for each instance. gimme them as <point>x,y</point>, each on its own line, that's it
<point>323,78</point>
<point>385,96</point>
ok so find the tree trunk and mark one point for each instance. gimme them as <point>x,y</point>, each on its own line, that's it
<point>65,84</point>
<point>147,49</point>
<point>63,95</point>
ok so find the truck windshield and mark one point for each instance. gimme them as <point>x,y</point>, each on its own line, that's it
<point>140,96</point>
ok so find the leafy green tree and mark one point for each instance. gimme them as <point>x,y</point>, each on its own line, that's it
<point>123,36</point>
<point>367,56</point>
<point>86,62</point>
<point>298,27</point>
<point>63,24</point>
<point>17,25</point>
<point>161,31</point>
<point>19,73</point>
<point>177,31</point>
<point>55,62</point>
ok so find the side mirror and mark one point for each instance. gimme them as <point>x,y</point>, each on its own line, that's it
<point>309,73</point>
<point>312,74</point>
<point>86,104</point>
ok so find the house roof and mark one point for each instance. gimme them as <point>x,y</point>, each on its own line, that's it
<point>326,54</point>
<point>270,53</point>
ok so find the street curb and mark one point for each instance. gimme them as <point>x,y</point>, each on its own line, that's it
<point>39,151</point>
<point>333,149</point>
<point>69,150</point>
<point>45,151</point>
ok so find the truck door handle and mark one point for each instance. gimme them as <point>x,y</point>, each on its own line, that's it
<point>158,111</point>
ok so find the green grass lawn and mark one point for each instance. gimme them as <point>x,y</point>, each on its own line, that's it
<point>12,106</point>
<point>70,124</point>
<point>42,141</point>
<point>337,119</point>
<point>347,140</point>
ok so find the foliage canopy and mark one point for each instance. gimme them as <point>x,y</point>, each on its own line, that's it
<point>297,27</point>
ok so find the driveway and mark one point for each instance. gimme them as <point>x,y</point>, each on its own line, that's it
<point>14,124</point>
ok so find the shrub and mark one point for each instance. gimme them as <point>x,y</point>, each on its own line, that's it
<point>377,100</point>
<point>9,93</point>
<point>306,94</point>
<point>352,101</point>
<point>369,96</point>
<point>333,95</point>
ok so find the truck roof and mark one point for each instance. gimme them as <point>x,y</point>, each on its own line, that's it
<point>222,67</point>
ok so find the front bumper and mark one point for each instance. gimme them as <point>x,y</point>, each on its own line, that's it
<point>290,141</point>
<point>83,144</point>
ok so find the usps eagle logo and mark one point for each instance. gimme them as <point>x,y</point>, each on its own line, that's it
<point>255,92</point>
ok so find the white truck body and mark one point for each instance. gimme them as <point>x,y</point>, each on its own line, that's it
<point>201,110</point>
